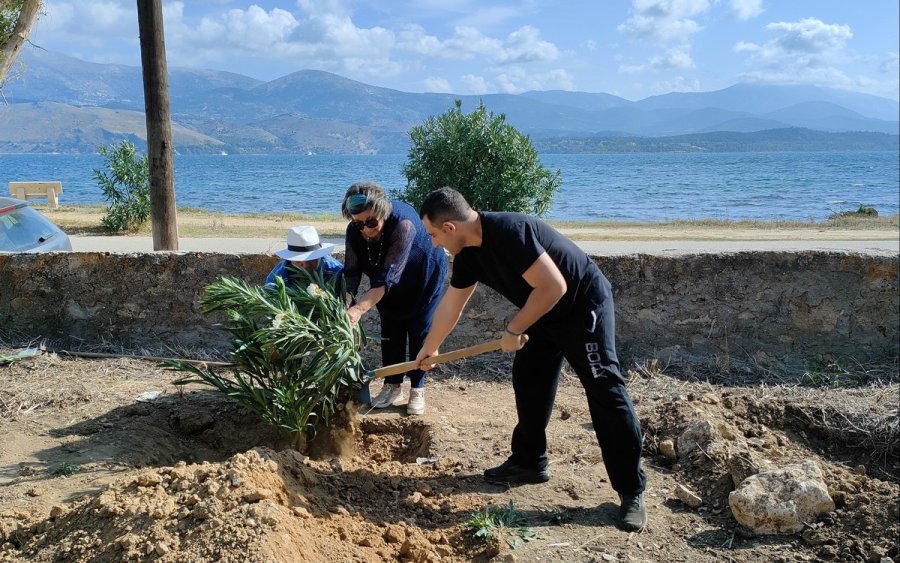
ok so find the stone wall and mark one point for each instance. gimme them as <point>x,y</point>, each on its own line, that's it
<point>781,309</point>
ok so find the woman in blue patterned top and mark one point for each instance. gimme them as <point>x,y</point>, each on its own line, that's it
<point>387,242</point>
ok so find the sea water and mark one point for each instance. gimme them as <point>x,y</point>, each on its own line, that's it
<point>805,186</point>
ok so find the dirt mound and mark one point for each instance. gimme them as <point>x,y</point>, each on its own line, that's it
<point>107,461</point>
<point>260,505</point>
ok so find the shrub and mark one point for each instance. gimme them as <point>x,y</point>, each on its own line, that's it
<point>126,187</point>
<point>494,166</point>
<point>495,523</point>
<point>295,352</point>
<point>863,211</point>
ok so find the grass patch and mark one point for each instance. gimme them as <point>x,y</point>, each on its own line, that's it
<point>500,523</point>
<point>65,469</point>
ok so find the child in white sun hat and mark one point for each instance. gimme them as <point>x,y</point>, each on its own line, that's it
<point>305,250</point>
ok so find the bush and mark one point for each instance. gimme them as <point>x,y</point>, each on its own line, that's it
<point>863,211</point>
<point>126,187</point>
<point>295,353</point>
<point>494,166</point>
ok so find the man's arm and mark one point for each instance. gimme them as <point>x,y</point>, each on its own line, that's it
<point>549,286</point>
<point>445,318</point>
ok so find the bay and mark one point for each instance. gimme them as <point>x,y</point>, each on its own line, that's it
<point>805,186</point>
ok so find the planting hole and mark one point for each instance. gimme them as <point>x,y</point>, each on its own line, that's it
<point>401,440</point>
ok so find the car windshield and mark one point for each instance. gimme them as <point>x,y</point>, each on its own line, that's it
<point>23,228</point>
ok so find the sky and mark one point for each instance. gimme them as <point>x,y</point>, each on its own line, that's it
<point>633,49</point>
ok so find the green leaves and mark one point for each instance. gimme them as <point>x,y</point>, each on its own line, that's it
<point>488,161</point>
<point>126,187</point>
<point>294,349</point>
<point>504,523</point>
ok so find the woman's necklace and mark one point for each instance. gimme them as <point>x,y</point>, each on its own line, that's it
<point>369,252</point>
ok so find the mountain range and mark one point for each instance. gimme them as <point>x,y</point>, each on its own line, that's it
<point>56,103</point>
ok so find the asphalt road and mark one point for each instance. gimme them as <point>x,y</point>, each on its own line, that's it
<point>129,244</point>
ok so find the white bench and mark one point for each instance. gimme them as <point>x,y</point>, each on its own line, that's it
<point>48,190</point>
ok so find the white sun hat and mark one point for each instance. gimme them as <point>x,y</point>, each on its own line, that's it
<point>303,245</point>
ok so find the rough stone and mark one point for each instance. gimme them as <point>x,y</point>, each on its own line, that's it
<point>667,449</point>
<point>781,501</point>
<point>688,496</point>
<point>705,304</point>
<point>699,435</point>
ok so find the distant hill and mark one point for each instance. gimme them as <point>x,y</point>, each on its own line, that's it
<point>790,139</point>
<point>62,104</point>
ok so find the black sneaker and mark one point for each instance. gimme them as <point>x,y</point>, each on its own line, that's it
<point>511,473</point>
<point>632,513</point>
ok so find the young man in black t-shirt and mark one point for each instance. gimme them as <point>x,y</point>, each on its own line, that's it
<point>566,310</point>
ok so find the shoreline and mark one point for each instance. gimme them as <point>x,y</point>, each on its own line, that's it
<point>84,221</point>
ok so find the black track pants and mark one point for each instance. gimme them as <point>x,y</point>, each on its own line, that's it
<point>587,342</point>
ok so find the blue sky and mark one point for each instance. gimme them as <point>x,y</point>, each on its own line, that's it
<point>633,49</point>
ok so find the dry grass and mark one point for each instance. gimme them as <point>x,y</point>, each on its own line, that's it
<point>85,220</point>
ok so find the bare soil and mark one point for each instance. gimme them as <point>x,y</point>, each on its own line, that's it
<point>95,467</point>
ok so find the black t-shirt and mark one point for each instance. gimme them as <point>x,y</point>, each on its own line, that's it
<point>510,243</point>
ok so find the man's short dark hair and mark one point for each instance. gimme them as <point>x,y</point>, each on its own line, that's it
<point>444,204</point>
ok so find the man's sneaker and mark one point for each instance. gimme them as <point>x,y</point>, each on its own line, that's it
<point>391,394</point>
<point>416,404</point>
<point>511,473</point>
<point>632,513</point>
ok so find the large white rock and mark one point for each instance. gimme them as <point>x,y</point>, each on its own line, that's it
<point>780,501</point>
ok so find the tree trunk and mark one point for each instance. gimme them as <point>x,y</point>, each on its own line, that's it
<point>10,50</point>
<point>163,214</point>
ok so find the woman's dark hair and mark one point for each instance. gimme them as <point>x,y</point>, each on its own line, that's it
<point>366,195</point>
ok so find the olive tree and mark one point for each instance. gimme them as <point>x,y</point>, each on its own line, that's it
<point>16,20</point>
<point>126,186</point>
<point>494,166</point>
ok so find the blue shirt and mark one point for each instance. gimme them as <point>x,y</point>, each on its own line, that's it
<point>329,268</point>
<point>403,261</point>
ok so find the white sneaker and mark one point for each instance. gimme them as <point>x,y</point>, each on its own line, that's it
<point>390,394</point>
<point>416,404</point>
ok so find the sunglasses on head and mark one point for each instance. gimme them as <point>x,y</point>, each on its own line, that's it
<point>370,223</point>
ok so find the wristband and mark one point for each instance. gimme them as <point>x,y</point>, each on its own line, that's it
<point>507,331</point>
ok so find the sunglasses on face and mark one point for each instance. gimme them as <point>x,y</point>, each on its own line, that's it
<point>370,223</point>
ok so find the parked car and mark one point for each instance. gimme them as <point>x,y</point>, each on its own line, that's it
<point>24,229</point>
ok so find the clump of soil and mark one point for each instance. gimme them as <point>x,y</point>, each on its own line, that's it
<point>105,460</point>
<point>256,506</point>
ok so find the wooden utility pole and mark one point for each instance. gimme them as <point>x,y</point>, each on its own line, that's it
<point>163,215</point>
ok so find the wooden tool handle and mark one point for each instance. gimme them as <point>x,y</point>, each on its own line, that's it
<point>395,369</point>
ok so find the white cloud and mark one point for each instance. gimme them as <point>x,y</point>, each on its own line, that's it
<point>810,51</point>
<point>810,35</point>
<point>590,45</point>
<point>94,17</point>
<point>436,84</point>
<point>678,57</point>
<point>891,64</point>
<point>475,84</point>
<point>525,45</point>
<point>745,9</point>
<point>521,46</point>
<point>515,80</point>
<point>678,84</point>
<point>664,20</point>
<point>413,38</point>
<point>675,58</point>
<point>101,31</point>
<point>808,43</point>
<point>325,37</point>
